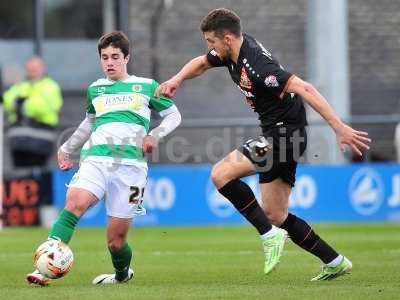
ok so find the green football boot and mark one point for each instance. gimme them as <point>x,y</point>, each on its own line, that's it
<point>273,248</point>
<point>329,273</point>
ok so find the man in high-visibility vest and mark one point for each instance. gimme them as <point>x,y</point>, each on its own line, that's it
<point>32,107</point>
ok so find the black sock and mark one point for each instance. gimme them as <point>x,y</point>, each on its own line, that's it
<point>243,199</point>
<point>304,236</point>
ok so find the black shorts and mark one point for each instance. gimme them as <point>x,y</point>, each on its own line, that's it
<point>276,153</point>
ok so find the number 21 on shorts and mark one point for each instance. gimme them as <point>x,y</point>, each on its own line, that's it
<point>136,196</point>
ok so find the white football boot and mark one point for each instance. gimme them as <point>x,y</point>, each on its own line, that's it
<point>110,278</point>
<point>36,278</point>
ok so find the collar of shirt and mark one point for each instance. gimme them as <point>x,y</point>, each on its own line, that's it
<point>242,53</point>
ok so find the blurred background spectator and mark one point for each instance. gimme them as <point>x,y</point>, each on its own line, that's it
<point>32,107</point>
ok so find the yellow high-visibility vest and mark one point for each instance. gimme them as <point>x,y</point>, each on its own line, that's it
<point>43,100</point>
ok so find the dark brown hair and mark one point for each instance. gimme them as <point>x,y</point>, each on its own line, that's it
<point>221,21</point>
<point>116,39</point>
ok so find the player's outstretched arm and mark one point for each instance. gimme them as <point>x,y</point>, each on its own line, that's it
<point>193,68</point>
<point>357,140</point>
<point>76,141</point>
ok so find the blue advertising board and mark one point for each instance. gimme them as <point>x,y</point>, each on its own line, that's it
<point>185,195</point>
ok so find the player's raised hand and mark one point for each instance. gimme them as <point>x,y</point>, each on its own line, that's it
<point>357,140</point>
<point>64,161</point>
<point>167,88</point>
<point>149,144</point>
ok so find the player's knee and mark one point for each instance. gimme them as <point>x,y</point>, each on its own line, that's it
<point>76,206</point>
<point>220,175</point>
<point>78,201</point>
<point>116,243</point>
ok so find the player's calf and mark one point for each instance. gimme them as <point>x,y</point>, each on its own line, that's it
<point>304,236</point>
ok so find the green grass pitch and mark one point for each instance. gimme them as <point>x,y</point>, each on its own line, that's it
<point>209,263</point>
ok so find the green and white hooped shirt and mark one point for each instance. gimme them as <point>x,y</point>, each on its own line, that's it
<point>122,110</point>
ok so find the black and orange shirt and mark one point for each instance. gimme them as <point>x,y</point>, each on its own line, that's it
<point>263,81</point>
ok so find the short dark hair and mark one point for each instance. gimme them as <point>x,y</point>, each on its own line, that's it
<point>221,21</point>
<point>116,39</point>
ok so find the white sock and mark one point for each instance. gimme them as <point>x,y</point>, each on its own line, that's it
<point>336,261</point>
<point>269,233</point>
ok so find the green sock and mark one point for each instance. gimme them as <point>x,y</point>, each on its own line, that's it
<point>121,260</point>
<point>64,227</point>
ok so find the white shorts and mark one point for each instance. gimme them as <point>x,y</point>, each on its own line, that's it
<point>121,186</point>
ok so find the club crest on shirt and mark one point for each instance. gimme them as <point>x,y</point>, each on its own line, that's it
<point>271,81</point>
<point>137,88</point>
<point>244,79</point>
